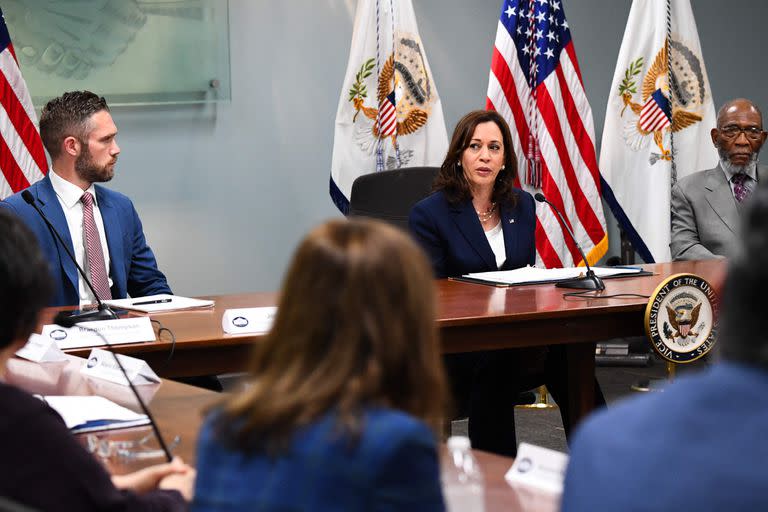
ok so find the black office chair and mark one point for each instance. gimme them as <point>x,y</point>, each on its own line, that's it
<point>390,195</point>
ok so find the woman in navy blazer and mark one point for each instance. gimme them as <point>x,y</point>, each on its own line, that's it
<point>348,388</point>
<point>478,221</point>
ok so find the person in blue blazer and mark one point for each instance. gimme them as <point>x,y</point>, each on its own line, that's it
<point>700,444</point>
<point>347,394</point>
<point>80,136</point>
<point>476,220</point>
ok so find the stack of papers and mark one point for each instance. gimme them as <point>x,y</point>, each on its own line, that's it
<point>159,303</point>
<point>93,413</point>
<point>530,275</point>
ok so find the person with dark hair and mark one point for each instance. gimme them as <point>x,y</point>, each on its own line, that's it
<point>348,388</point>
<point>43,466</point>
<point>476,220</point>
<point>700,444</point>
<point>706,205</point>
<point>100,226</point>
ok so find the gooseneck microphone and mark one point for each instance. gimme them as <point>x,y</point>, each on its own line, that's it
<point>103,312</point>
<point>590,281</point>
<point>70,321</point>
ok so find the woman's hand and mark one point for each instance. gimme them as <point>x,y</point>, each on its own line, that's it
<point>153,477</point>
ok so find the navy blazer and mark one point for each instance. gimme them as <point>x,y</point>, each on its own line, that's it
<point>455,241</point>
<point>700,445</point>
<point>132,264</point>
<point>393,466</point>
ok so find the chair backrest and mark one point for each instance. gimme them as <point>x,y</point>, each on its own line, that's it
<point>390,195</point>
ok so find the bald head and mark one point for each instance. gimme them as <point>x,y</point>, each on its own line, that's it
<point>739,135</point>
<point>735,107</point>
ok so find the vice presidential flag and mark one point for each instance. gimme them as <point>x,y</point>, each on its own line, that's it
<point>657,122</point>
<point>389,113</point>
<point>535,83</point>
<point>22,158</point>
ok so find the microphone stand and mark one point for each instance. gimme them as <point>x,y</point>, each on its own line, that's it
<point>589,281</point>
<point>102,312</point>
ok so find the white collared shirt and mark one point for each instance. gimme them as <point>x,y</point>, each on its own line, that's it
<point>69,196</point>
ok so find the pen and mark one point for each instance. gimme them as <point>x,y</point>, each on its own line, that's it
<point>145,302</point>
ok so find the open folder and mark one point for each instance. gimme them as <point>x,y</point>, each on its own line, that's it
<point>534,275</point>
<point>93,413</point>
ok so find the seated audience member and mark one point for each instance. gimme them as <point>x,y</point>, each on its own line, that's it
<point>345,386</point>
<point>478,221</point>
<point>706,205</point>
<point>101,227</point>
<point>700,444</point>
<point>43,467</point>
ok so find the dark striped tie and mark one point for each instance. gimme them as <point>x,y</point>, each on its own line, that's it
<point>94,251</point>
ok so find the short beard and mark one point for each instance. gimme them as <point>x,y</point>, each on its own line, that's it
<point>734,169</point>
<point>88,171</point>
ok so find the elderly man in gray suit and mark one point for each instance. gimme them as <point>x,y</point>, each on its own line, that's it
<point>706,205</point>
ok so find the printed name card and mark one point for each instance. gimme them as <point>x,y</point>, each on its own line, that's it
<point>41,350</point>
<point>123,330</point>
<point>101,364</point>
<point>248,320</point>
<point>538,467</point>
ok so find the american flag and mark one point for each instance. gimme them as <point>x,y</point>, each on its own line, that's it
<point>22,158</point>
<point>387,122</point>
<point>656,114</point>
<point>535,84</point>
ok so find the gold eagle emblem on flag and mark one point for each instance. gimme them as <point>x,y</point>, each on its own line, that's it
<point>665,105</point>
<point>404,94</point>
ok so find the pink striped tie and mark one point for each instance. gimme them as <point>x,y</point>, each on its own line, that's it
<point>93,250</point>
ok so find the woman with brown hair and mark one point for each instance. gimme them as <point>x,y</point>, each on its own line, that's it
<point>346,386</point>
<point>478,221</point>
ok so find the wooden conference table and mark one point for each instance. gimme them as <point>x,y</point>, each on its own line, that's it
<point>471,317</point>
<point>179,410</point>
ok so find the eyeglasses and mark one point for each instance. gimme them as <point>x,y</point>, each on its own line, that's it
<point>732,131</point>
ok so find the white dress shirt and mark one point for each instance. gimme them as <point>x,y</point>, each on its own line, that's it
<point>495,238</point>
<point>69,198</point>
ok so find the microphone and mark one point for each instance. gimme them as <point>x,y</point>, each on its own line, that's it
<point>70,321</point>
<point>103,312</point>
<point>590,281</point>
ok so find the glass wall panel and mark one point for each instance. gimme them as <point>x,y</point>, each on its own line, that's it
<point>134,52</point>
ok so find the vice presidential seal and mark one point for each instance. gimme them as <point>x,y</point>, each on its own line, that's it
<point>680,319</point>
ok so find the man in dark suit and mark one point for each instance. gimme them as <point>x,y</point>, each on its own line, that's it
<point>700,445</point>
<point>706,205</point>
<point>100,226</point>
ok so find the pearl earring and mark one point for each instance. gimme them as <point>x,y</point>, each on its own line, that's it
<point>459,164</point>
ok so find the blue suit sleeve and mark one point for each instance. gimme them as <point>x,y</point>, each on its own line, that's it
<point>583,474</point>
<point>425,232</point>
<point>409,478</point>
<point>144,278</point>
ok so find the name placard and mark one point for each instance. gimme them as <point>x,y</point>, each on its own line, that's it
<point>248,320</point>
<point>101,364</point>
<point>538,467</point>
<point>41,350</point>
<point>123,330</point>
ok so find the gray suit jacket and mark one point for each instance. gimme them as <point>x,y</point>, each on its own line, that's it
<point>705,216</point>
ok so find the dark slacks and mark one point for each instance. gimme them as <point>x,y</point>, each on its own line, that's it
<point>485,385</point>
